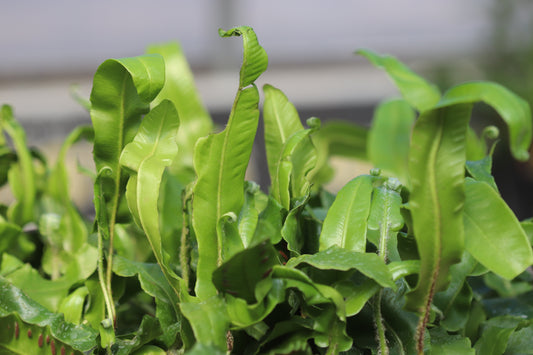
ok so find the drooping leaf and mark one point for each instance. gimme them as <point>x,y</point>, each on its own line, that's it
<point>346,222</point>
<point>72,306</point>
<point>220,161</point>
<point>388,138</point>
<point>17,308</point>
<point>493,233</point>
<point>416,91</point>
<point>21,175</point>
<point>512,109</point>
<point>335,258</point>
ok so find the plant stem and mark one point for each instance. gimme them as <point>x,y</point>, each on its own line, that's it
<point>101,278</point>
<point>383,349</point>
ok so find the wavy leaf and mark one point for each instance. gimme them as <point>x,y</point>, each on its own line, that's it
<point>220,161</point>
<point>121,94</point>
<point>493,233</point>
<point>346,222</point>
<point>419,93</point>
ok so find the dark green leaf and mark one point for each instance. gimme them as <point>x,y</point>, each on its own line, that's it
<point>443,344</point>
<point>335,258</point>
<point>496,333</point>
<point>17,307</point>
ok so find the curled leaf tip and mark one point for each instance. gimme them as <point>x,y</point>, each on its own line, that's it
<point>375,172</point>
<point>313,123</point>
<point>491,132</point>
<point>393,184</point>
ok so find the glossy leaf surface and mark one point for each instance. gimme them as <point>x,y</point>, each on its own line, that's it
<point>493,233</point>
<point>220,161</point>
<point>121,94</point>
<point>146,157</point>
<point>512,109</point>
<point>16,305</point>
<point>346,222</point>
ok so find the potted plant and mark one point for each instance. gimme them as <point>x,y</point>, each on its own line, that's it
<point>421,255</point>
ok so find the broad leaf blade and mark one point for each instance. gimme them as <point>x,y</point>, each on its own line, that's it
<point>220,161</point>
<point>416,91</point>
<point>436,168</point>
<point>281,122</point>
<point>493,233</point>
<point>335,258</point>
<point>346,222</point>
<point>146,157</point>
<point>121,94</point>
<point>15,304</point>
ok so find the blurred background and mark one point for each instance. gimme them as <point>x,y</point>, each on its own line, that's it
<point>48,46</point>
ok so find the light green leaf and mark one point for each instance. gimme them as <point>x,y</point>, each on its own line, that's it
<point>21,175</point>
<point>220,161</point>
<point>346,222</point>
<point>180,88</point>
<point>436,167</point>
<point>73,305</point>
<point>209,321</point>
<point>121,95</point>
<point>416,91</point>
<point>388,138</point>
<point>493,233</point>
<point>481,170</point>
<point>281,122</point>
<point>150,277</point>
<point>512,109</point>
<point>255,59</point>
<point>146,157</point>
